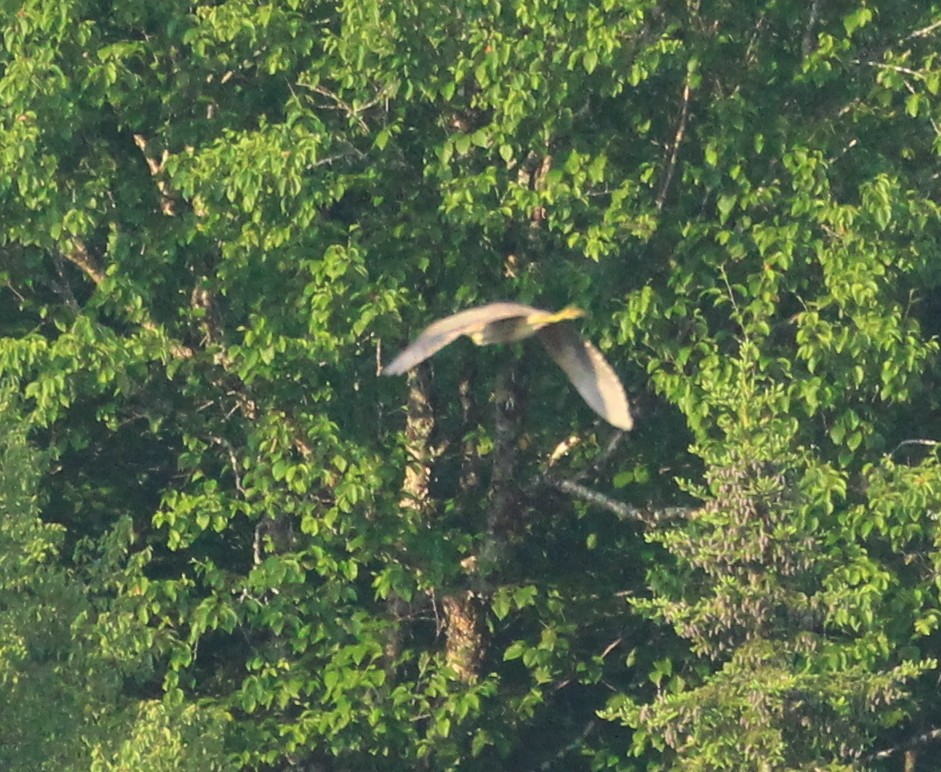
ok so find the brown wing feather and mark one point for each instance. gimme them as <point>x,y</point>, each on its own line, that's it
<point>589,373</point>
<point>439,334</point>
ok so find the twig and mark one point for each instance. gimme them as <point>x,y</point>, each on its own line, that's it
<point>677,141</point>
<point>557,757</point>
<point>911,89</point>
<point>914,742</point>
<point>343,105</point>
<point>613,443</point>
<point>892,67</point>
<point>611,647</point>
<point>167,204</point>
<point>903,443</point>
<point>924,31</point>
<point>233,461</point>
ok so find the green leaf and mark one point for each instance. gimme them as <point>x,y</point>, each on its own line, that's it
<point>590,61</point>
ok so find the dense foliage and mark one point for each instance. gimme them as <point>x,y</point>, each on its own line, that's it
<point>226,543</point>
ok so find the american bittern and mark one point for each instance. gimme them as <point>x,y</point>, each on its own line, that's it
<point>584,365</point>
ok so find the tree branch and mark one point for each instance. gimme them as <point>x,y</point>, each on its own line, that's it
<point>167,203</point>
<point>78,255</point>
<point>904,443</point>
<point>923,739</point>
<point>924,31</point>
<point>619,508</point>
<point>677,141</point>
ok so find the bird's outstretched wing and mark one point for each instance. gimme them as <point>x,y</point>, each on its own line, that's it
<point>439,334</point>
<point>584,365</point>
<point>589,373</point>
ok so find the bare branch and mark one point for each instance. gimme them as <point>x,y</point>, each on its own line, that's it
<point>904,71</point>
<point>557,757</point>
<point>924,31</point>
<point>619,508</point>
<point>341,104</point>
<point>233,461</point>
<point>611,647</point>
<point>677,141</point>
<point>892,67</point>
<point>78,255</point>
<point>167,204</point>
<point>914,742</point>
<point>903,443</point>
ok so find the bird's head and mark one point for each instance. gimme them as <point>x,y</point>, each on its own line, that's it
<point>569,312</point>
<point>551,317</point>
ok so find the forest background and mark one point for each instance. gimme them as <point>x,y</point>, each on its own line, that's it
<point>226,543</point>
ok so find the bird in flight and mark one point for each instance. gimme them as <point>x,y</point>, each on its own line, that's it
<point>584,365</point>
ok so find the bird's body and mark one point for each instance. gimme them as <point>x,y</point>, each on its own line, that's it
<point>584,365</point>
